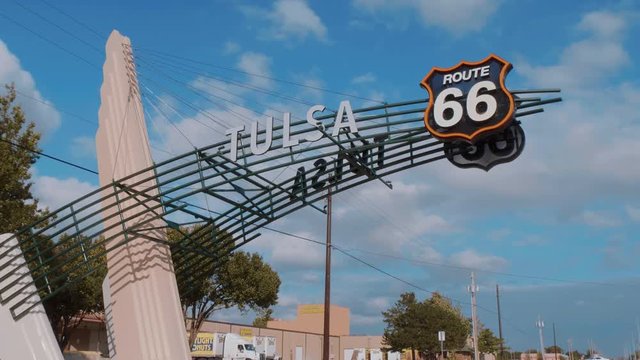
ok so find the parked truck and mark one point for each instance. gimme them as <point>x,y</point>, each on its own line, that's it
<point>266,347</point>
<point>218,346</point>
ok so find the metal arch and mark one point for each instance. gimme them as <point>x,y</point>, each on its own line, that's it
<point>391,138</point>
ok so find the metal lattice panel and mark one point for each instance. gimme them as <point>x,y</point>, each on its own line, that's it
<point>241,196</point>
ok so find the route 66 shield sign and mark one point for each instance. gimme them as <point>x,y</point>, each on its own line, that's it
<point>468,101</point>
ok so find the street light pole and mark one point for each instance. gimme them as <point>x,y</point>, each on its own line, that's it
<point>327,282</point>
<point>474,316</point>
<point>540,326</point>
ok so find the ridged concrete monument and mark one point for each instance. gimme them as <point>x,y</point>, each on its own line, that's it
<point>142,303</point>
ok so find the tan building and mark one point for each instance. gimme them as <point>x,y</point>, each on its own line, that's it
<point>297,339</point>
<point>310,318</point>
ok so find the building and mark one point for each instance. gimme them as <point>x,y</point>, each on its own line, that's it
<point>310,318</point>
<point>297,339</point>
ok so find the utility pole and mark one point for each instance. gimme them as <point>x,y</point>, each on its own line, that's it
<point>555,346</point>
<point>540,326</point>
<point>499,323</point>
<point>570,342</point>
<point>327,282</point>
<point>474,315</point>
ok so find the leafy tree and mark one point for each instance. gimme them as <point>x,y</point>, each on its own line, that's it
<point>414,325</point>
<point>553,349</point>
<point>238,279</point>
<point>575,355</point>
<point>84,270</point>
<point>73,264</point>
<point>18,207</point>
<point>488,343</point>
<point>263,319</point>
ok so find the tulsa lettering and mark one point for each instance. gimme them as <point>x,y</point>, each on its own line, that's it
<point>344,119</point>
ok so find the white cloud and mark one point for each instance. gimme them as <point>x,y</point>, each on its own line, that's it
<point>455,16</point>
<point>289,19</point>
<point>83,147</point>
<point>364,79</point>
<point>603,24</point>
<point>472,259</point>
<point>55,193</point>
<point>258,66</point>
<point>586,62</point>
<point>566,156</point>
<point>633,213</point>
<point>46,118</point>
<point>530,240</point>
<point>599,219</point>
<point>230,48</point>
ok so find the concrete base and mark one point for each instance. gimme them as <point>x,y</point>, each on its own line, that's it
<point>31,337</point>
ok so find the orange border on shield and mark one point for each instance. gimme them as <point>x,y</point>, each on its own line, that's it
<point>503,75</point>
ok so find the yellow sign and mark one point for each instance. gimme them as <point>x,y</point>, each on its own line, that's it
<point>246,332</point>
<point>311,309</point>
<point>203,345</point>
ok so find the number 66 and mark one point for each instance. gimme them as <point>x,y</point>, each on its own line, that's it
<point>473,100</point>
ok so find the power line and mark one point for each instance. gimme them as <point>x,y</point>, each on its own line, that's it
<point>49,156</point>
<point>26,8</point>
<point>56,108</point>
<point>481,270</point>
<point>102,37</point>
<point>166,55</point>
<point>54,43</point>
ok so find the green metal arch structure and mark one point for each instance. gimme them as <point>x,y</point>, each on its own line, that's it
<point>246,194</point>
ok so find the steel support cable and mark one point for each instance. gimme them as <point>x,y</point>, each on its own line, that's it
<point>101,37</point>
<point>160,112</point>
<point>209,92</point>
<point>21,93</point>
<point>28,9</point>
<point>52,42</point>
<point>122,128</point>
<point>210,116</point>
<point>238,84</point>
<point>197,91</point>
<point>200,110</point>
<point>166,55</point>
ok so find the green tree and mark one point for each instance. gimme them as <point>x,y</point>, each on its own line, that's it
<point>488,343</point>
<point>263,319</point>
<point>575,355</point>
<point>82,271</point>
<point>238,279</point>
<point>18,207</point>
<point>414,325</point>
<point>400,332</point>
<point>553,349</point>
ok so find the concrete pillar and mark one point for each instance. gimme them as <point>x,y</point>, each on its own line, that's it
<point>31,337</point>
<point>142,298</point>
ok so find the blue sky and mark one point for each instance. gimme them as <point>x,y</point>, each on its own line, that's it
<point>567,210</point>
